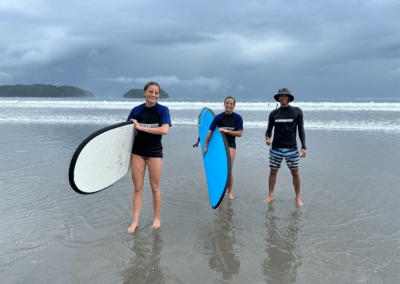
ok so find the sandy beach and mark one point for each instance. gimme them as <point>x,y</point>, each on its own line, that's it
<point>347,231</point>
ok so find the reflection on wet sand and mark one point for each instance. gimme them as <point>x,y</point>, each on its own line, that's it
<point>145,267</point>
<point>223,240</point>
<point>283,258</point>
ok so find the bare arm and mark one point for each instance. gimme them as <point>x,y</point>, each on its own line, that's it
<point>237,133</point>
<point>162,130</point>
<point>206,141</point>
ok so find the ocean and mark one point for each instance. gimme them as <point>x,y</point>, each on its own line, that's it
<point>348,230</point>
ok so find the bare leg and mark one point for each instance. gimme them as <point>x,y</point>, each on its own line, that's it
<point>155,166</point>
<point>296,183</point>
<point>138,170</point>
<point>272,181</point>
<point>233,153</point>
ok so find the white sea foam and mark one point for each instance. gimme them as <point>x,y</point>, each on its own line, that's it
<point>336,125</point>
<point>186,113</point>
<point>109,120</point>
<point>261,106</point>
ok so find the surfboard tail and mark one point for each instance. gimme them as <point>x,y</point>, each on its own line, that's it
<point>102,159</point>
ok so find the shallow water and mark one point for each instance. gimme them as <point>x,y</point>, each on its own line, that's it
<point>347,231</point>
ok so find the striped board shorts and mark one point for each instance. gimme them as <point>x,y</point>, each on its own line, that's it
<point>292,157</point>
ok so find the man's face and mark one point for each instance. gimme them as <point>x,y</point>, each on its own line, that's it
<point>284,99</point>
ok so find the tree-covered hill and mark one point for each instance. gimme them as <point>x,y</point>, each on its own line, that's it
<point>43,91</point>
<point>138,94</point>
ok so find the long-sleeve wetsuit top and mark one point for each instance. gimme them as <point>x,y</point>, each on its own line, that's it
<point>231,122</point>
<point>148,144</point>
<point>285,120</point>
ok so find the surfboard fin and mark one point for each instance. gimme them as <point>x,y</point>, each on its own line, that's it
<point>197,144</point>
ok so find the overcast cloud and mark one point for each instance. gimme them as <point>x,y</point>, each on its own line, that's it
<point>248,49</point>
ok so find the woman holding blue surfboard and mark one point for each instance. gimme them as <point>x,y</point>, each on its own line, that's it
<point>151,122</point>
<point>231,124</point>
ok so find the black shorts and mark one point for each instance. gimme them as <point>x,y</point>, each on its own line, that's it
<point>232,145</point>
<point>149,154</point>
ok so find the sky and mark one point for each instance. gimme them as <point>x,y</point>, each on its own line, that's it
<point>205,49</point>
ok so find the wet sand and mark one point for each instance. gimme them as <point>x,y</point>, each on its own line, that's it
<point>347,231</point>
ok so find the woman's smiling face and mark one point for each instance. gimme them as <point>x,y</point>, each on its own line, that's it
<point>229,105</point>
<point>152,94</point>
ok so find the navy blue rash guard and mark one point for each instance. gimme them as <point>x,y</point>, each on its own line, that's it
<point>148,144</point>
<point>286,120</point>
<point>231,122</point>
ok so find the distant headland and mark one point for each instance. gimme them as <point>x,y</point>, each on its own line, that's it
<point>43,91</point>
<point>138,94</point>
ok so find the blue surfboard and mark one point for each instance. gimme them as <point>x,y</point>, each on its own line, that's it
<point>217,161</point>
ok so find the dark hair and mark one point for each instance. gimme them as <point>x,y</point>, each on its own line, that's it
<point>234,101</point>
<point>151,83</point>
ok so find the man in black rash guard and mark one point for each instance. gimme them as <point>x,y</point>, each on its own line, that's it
<point>286,120</point>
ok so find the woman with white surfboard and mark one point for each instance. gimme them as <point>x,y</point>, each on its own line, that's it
<point>232,125</point>
<point>151,122</point>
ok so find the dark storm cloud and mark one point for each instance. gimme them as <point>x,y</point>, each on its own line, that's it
<point>167,40</point>
<point>202,47</point>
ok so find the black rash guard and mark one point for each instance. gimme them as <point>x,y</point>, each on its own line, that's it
<point>232,122</point>
<point>148,144</point>
<point>285,120</point>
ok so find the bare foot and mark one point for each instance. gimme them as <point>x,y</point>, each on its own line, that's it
<point>269,199</point>
<point>132,228</point>
<point>299,202</point>
<point>230,196</point>
<point>156,223</point>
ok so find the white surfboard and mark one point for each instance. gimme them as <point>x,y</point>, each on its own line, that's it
<point>102,159</point>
